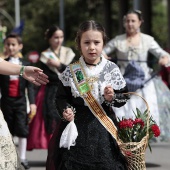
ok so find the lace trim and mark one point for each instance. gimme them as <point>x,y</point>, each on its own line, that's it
<point>106,73</point>
<point>8,153</point>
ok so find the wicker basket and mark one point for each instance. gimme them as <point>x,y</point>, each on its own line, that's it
<point>135,151</point>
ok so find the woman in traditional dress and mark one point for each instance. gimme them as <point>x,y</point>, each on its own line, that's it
<point>132,50</point>
<point>53,61</point>
<point>9,159</point>
<point>87,90</point>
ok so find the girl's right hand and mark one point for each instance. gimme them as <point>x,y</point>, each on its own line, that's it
<point>68,114</point>
<point>54,63</point>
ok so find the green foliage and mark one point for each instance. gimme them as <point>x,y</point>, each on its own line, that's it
<point>39,15</point>
<point>160,22</point>
<point>134,130</point>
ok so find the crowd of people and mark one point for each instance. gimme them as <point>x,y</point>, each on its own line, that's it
<point>78,103</point>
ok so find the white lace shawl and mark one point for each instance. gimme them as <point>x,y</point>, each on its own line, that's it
<point>107,73</point>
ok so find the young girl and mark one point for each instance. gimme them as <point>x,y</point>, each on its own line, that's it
<point>87,90</point>
<point>53,61</point>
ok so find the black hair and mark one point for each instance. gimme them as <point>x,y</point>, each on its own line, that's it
<point>89,25</point>
<point>14,35</point>
<point>137,12</point>
<point>51,30</point>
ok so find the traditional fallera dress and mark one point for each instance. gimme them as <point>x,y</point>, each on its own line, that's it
<point>43,124</point>
<point>9,159</point>
<point>94,147</point>
<point>154,91</point>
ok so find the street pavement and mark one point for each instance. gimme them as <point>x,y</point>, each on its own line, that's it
<point>159,159</point>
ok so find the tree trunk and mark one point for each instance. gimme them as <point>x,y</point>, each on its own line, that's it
<point>123,6</point>
<point>107,17</point>
<point>146,8</point>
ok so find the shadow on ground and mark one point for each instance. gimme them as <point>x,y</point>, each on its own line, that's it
<point>151,165</point>
<point>37,163</point>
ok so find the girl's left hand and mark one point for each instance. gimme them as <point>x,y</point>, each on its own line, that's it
<point>108,93</point>
<point>33,110</point>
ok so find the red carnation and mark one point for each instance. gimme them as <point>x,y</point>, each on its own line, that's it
<point>139,121</point>
<point>155,130</point>
<point>126,123</point>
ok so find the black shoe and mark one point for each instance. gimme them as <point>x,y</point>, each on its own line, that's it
<point>25,164</point>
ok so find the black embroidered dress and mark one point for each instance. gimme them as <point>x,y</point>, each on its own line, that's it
<point>95,148</point>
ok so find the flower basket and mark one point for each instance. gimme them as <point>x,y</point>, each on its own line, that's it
<point>135,151</point>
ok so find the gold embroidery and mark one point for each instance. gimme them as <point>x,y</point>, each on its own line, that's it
<point>94,106</point>
<point>91,80</point>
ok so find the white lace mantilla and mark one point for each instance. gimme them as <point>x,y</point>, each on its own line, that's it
<point>106,73</point>
<point>8,154</point>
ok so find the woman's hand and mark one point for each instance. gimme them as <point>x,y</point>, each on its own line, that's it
<point>108,93</point>
<point>68,114</point>
<point>35,75</point>
<point>164,60</point>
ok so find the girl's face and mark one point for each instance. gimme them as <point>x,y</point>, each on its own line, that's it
<point>132,23</point>
<point>91,45</point>
<point>57,39</point>
<point>12,47</point>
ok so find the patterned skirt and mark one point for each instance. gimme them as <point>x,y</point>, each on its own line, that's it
<point>8,155</point>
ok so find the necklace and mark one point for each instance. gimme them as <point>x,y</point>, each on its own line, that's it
<point>93,64</point>
<point>57,55</point>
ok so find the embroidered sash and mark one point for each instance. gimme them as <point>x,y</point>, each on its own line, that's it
<point>84,89</point>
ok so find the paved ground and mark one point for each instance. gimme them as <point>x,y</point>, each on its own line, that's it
<point>157,160</point>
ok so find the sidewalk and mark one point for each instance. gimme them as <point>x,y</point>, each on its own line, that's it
<point>157,160</point>
<point>37,159</point>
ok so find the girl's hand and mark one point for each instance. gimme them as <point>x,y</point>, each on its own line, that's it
<point>108,93</point>
<point>68,114</point>
<point>54,63</point>
<point>33,109</point>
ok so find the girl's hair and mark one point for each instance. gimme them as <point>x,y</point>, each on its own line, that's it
<point>14,35</point>
<point>50,31</point>
<point>137,12</point>
<point>89,25</point>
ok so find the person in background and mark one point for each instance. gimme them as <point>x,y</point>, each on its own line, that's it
<point>87,90</point>
<point>53,61</point>
<point>132,50</point>
<point>9,157</point>
<point>13,100</point>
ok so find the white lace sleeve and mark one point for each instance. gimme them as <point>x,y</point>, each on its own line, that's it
<point>112,76</point>
<point>65,76</point>
<point>67,80</point>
